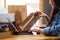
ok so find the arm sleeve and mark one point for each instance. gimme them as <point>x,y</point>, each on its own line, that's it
<point>46,30</point>
<point>52,31</point>
<point>57,28</point>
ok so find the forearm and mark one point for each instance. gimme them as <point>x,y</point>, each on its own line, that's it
<point>47,18</point>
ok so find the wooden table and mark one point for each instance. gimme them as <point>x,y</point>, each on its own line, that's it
<point>30,37</point>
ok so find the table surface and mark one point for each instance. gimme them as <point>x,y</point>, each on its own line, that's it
<point>30,37</point>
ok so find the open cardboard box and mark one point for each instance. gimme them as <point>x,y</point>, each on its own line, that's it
<point>26,24</point>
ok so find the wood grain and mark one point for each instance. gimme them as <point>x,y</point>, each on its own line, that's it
<point>30,37</point>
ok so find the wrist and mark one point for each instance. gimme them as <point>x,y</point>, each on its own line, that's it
<point>46,15</point>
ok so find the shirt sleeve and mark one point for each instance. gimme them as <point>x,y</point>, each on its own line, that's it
<point>46,30</point>
<point>57,28</point>
<point>52,31</point>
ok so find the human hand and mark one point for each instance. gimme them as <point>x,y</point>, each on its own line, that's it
<point>37,13</point>
<point>41,14</point>
<point>35,30</point>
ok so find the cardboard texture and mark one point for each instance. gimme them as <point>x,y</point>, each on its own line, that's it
<point>29,22</point>
<point>18,18</point>
<point>20,14</point>
<point>24,23</point>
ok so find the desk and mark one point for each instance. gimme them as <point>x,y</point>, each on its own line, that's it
<point>29,37</point>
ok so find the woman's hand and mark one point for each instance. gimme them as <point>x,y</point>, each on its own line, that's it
<point>41,14</point>
<point>35,30</point>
